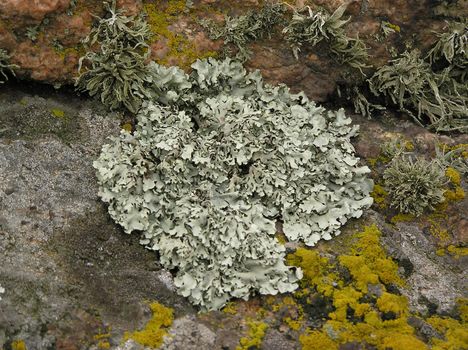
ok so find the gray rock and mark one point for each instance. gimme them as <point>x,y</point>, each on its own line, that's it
<point>188,334</point>
<point>129,345</point>
<point>67,269</point>
<point>432,278</point>
<point>275,340</point>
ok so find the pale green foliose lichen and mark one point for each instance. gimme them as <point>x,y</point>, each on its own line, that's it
<point>217,157</point>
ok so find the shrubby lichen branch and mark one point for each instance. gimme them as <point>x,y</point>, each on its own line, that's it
<point>415,88</point>
<point>313,27</point>
<point>240,31</point>
<point>117,73</point>
<point>452,45</point>
<point>5,66</point>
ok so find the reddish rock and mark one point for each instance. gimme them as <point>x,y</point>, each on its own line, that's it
<point>43,64</point>
<point>132,7</point>
<point>7,39</point>
<point>202,43</point>
<point>461,232</point>
<point>36,9</point>
<point>278,65</point>
<point>159,49</point>
<point>74,28</point>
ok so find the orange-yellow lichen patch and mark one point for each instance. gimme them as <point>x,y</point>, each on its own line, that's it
<point>455,192</point>
<point>103,340</point>
<point>317,340</point>
<point>292,311</point>
<point>127,127</point>
<point>156,328</point>
<point>374,257</point>
<point>18,345</point>
<point>58,113</point>
<point>388,302</point>
<point>380,322</point>
<point>457,252</point>
<point>315,270</point>
<point>453,175</point>
<point>255,335</point>
<point>400,217</point>
<point>230,308</point>
<point>455,333</point>
<point>438,231</point>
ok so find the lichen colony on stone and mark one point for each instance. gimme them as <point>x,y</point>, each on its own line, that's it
<point>216,159</point>
<point>412,84</point>
<point>244,29</point>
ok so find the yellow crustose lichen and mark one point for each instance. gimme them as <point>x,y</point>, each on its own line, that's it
<point>377,319</point>
<point>156,328</point>
<point>380,195</point>
<point>455,332</point>
<point>365,309</point>
<point>18,345</point>
<point>254,337</point>
<point>456,192</point>
<point>181,50</point>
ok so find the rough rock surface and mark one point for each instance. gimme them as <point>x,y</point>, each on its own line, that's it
<point>187,333</point>
<point>63,263</point>
<point>44,36</point>
<point>431,279</point>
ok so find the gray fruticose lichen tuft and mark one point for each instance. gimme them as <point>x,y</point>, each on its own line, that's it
<point>360,102</point>
<point>410,83</point>
<point>117,73</point>
<point>5,66</point>
<point>393,148</point>
<point>312,27</point>
<point>454,158</point>
<point>240,31</point>
<point>452,45</point>
<point>305,27</point>
<point>415,184</point>
<point>217,157</point>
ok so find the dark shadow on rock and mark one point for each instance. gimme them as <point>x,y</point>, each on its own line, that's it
<point>112,272</point>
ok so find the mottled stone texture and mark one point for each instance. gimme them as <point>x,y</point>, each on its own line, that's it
<point>35,9</point>
<point>66,268</point>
